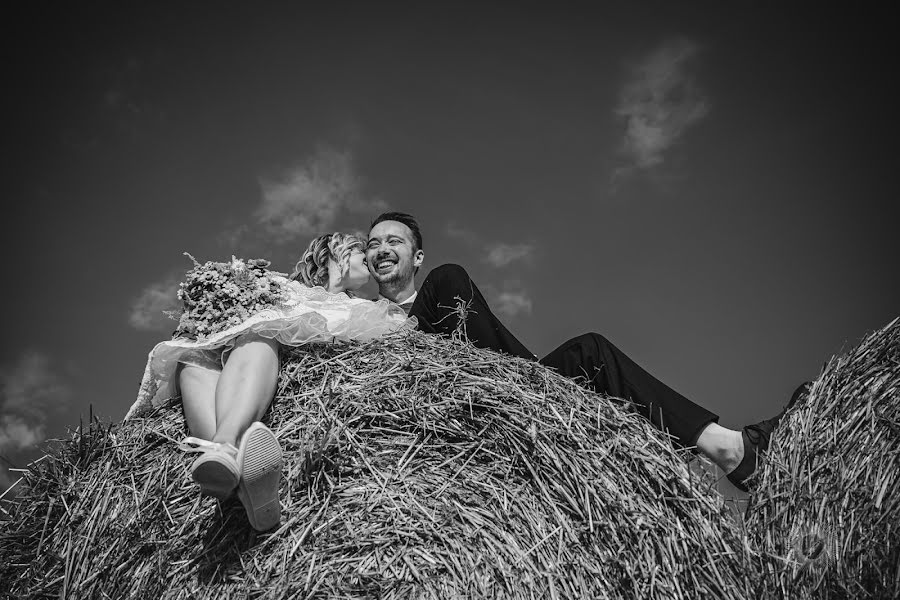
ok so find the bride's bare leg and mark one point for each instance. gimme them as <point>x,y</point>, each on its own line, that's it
<point>246,387</point>
<point>198,397</point>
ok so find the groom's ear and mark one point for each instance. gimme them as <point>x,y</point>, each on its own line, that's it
<point>418,258</point>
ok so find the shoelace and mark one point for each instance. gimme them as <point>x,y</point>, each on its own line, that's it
<point>194,444</point>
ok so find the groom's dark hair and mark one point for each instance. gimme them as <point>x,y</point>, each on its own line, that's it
<point>406,219</point>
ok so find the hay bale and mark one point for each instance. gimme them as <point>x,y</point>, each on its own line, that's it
<point>416,466</point>
<point>829,491</point>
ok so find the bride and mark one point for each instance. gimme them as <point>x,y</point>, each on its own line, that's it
<point>228,380</point>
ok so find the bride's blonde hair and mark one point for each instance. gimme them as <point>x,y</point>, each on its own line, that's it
<point>312,268</point>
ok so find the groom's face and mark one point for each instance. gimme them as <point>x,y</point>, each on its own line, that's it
<point>391,253</point>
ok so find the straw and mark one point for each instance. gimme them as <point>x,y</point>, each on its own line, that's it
<point>829,492</point>
<point>422,467</point>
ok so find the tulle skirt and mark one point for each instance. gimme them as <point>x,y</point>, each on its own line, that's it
<point>310,315</point>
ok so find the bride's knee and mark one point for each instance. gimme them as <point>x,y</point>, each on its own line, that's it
<point>252,351</point>
<point>194,376</point>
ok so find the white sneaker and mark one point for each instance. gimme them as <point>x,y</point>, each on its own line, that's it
<point>260,461</point>
<point>216,471</point>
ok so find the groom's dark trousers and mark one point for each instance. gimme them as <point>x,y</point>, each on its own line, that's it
<point>591,356</point>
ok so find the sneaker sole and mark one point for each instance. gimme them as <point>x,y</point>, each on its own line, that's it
<point>260,460</point>
<point>216,476</point>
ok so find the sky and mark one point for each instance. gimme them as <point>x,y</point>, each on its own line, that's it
<point>711,186</point>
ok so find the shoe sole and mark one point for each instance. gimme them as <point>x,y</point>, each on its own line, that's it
<point>260,461</point>
<point>216,475</point>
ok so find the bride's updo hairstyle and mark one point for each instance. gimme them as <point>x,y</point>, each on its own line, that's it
<point>312,268</point>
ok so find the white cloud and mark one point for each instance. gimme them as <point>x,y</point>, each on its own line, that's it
<point>496,254</point>
<point>307,199</point>
<point>500,255</point>
<point>17,434</point>
<point>509,299</point>
<point>147,309</point>
<point>310,198</point>
<point>29,390</point>
<point>512,303</point>
<point>659,104</point>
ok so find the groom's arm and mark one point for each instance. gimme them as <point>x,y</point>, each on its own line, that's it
<point>437,308</point>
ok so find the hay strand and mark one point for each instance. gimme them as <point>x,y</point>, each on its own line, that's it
<point>422,467</point>
<point>829,491</point>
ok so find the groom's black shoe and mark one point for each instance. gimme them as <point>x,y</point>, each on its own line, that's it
<point>756,441</point>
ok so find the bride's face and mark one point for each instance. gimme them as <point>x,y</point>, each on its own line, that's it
<point>358,273</point>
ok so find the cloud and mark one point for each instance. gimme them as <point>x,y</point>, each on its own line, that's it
<point>309,198</point>
<point>510,304</point>
<point>312,197</point>
<point>17,434</point>
<point>147,309</point>
<point>29,390</point>
<point>658,105</point>
<point>509,299</point>
<point>500,255</point>
<point>496,254</point>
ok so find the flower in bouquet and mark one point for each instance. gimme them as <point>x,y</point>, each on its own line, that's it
<point>219,295</point>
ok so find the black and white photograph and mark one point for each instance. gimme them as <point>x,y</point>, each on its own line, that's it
<point>450,300</point>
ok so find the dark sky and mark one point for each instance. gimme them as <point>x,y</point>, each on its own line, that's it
<point>713,188</point>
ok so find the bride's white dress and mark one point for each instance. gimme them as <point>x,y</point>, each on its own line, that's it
<point>308,315</point>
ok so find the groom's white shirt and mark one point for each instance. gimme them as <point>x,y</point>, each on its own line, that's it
<point>406,305</point>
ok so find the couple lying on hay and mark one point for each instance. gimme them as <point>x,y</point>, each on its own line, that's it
<point>224,356</point>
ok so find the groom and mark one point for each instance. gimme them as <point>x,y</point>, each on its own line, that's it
<point>394,255</point>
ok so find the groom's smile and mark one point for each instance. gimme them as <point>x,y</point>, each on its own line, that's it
<point>384,265</point>
<point>391,255</point>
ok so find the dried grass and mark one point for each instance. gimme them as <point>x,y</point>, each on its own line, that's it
<point>422,467</point>
<point>829,491</point>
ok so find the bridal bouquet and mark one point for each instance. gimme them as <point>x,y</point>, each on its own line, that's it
<point>218,295</point>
